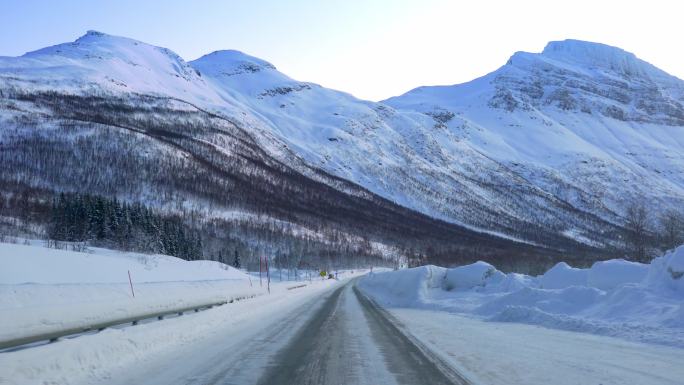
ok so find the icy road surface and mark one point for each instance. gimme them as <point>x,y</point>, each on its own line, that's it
<point>339,337</point>
<point>329,332</point>
<point>349,340</point>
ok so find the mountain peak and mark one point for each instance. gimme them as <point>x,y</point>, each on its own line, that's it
<point>231,62</point>
<point>600,56</point>
<point>578,48</point>
<point>116,62</point>
<point>99,43</point>
<point>93,34</point>
<point>585,55</point>
<point>591,53</point>
<point>97,38</point>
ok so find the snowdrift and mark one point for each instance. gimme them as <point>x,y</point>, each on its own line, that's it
<point>22,264</point>
<point>667,272</point>
<point>45,290</point>
<point>478,274</point>
<point>642,302</point>
<point>409,287</point>
<point>563,275</point>
<point>608,275</point>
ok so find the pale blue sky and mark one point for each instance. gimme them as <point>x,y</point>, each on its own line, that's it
<point>373,49</point>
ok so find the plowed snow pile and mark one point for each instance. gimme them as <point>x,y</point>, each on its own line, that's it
<point>46,290</point>
<point>641,302</point>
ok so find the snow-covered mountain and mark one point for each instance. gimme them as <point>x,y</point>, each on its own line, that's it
<point>549,149</point>
<point>560,140</point>
<point>589,124</point>
<point>115,117</point>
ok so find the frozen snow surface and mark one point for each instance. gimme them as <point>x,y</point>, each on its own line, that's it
<point>563,275</point>
<point>27,264</point>
<point>46,290</point>
<point>43,290</point>
<point>637,302</point>
<point>496,353</point>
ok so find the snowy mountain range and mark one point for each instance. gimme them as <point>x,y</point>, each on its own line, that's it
<point>548,150</point>
<point>545,141</point>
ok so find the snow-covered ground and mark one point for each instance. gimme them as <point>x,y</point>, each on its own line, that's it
<point>496,328</point>
<point>45,289</point>
<point>94,358</point>
<point>616,319</point>
<point>637,302</point>
<point>496,353</point>
<point>33,264</point>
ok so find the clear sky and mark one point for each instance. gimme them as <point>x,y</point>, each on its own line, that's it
<point>373,49</point>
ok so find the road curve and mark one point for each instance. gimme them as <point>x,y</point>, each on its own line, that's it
<point>350,340</point>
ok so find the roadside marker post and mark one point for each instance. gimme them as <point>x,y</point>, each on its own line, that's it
<point>130,281</point>
<point>268,276</point>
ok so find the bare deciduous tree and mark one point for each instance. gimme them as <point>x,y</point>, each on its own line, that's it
<point>637,230</point>
<point>672,228</point>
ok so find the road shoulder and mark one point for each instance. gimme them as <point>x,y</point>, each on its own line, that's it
<point>508,353</point>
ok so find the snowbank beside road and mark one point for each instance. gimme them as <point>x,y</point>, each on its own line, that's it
<point>46,290</point>
<point>410,287</point>
<point>667,272</point>
<point>642,302</point>
<point>609,275</point>
<point>43,290</point>
<point>477,274</point>
<point>100,357</point>
<point>34,264</point>
<point>563,275</point>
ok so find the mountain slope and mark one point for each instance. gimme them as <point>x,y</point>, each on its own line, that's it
<point>548,150</point>
<point>163,135</point>
<point>392,154</point>
<point>549,144</point>
<point>592,122</point>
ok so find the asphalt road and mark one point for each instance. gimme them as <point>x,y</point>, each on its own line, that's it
<point>350,340</point>
<point>340,337</point>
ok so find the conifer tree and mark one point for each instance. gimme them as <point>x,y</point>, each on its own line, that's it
<point>236,261</point>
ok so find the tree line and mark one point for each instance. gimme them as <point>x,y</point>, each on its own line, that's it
<point>647,234</point>
<point>204,169</point>
<point>106,222</point>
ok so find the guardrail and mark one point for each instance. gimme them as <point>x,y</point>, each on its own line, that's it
<point>55,335</point>
<point>296,287</point>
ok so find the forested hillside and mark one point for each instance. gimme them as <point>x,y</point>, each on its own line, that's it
<point>574,152</point>
<point>207,181</point>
